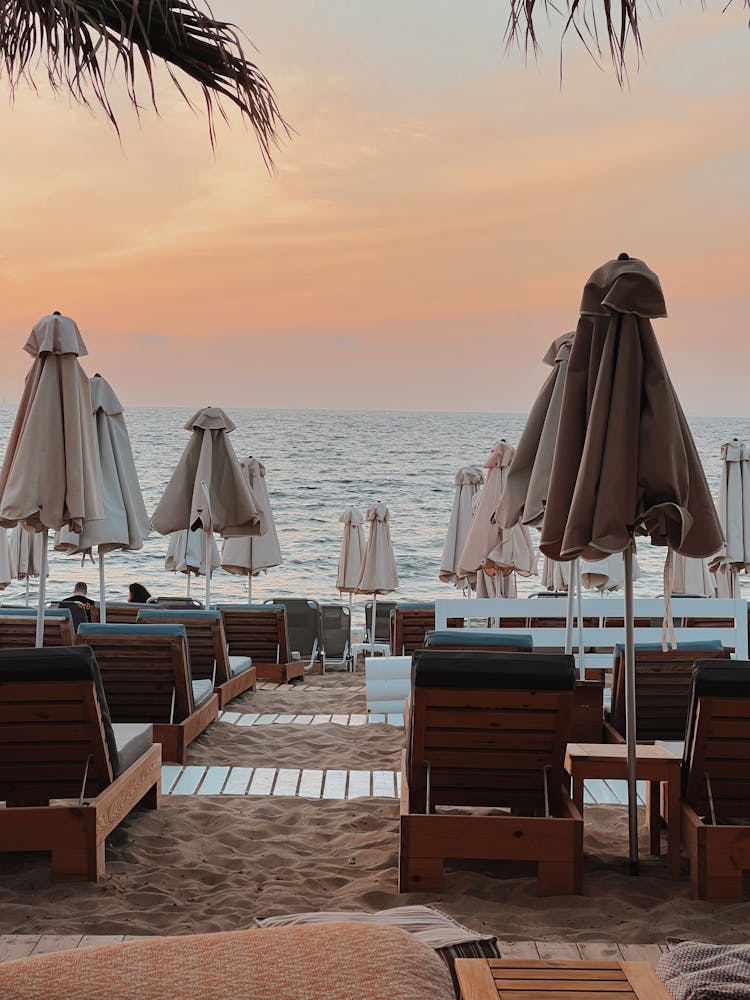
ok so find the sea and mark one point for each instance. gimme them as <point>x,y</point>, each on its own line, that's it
<point>317,463</point>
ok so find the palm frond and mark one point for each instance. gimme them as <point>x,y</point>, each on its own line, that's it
<point>81,42</point>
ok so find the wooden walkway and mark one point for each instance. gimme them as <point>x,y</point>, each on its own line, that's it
<point>291,719</point>
<point>13,946</point>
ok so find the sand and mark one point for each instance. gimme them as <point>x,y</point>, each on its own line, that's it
<point>214,863</point>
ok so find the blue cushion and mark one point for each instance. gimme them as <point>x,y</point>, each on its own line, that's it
<point>189,614</point>
<point>689,646</point>
<point>250,607</point>
<point>239,664</point>
<point>415,606</point>
<point>202,691</point>
<point>479,637</point>
<point>140,630</point>
<point>32,612</point>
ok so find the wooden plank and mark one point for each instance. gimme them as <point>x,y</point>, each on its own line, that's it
<point>340,720</point>
<point>169,775</point>
<point>283,720</point>
<point>334,786</point>
<point>238,780</point>
<point>188,781</point>
<point>383,784</point>
<point>395,719</point>
<point>302,720</point>
<point>558,951</point>
<point>310,785</point>
<point>262,781</point>
<point>646,985</point>
<point>93,940</point>
<point>15,946</point>
<point>359,785</point>
<point>357,720</point>
<point>319,720</point>
<point>518,949</point>
<point>286,781</point>
<point>230,717</point>
<point>56,942</point>
<point>650,953</point>
<point>376,717</point>
<point>605,950</point>
<point>213,782</point>
<point>265,720</point>
<point>247,720</point>
<point>475,979</point>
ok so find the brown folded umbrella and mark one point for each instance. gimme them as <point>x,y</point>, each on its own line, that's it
<point>625,461</point>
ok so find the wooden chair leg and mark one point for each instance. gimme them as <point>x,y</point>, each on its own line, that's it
<point>556,878</point>
<point>653,813</point>
<point>78,864</point>
<point>421,875</point>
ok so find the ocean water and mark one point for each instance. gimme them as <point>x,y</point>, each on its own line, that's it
<point>318,462</point>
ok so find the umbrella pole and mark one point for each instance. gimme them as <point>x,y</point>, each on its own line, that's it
<point>209,535</point>
<point>27,590</point>
<point>374,619</point>
<point>630,722</point>
<point>102,593</point>
<point>188,584</point>
<point>579,614</point>
<point>42,592</point>
<point>250,587</point>
<point>569,613</point>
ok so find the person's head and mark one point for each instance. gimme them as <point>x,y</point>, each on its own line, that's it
<point>81,589</point>
<point>137,594</point>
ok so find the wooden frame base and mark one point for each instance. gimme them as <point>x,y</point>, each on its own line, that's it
<point>587,721</point>
<point>236,686</point>
<point>281,673</point>
<point>718,857</point>
<point>176,737</point>
<point>492,978</point>
<point>75,834</point>
<point>555,843</point>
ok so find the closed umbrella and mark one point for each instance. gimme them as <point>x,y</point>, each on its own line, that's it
<point>625,462</point>
<point>352,552</point>
<point>488,546</point>
<point>6,561</point>
<point>251,555</point>
<point>734,516</point>
<point>468,483</point>
<point>125,524</point>
<point>50,475</point>
<point>208,490</point>
<point>555,575</point>
<point>378,574</point>
<point>25,555</point>
<point>608,574</point>
<point>186,553</point>
<point>692,576</point>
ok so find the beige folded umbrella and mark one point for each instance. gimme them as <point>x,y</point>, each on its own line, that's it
<point>608,574</point>
<point>692,576</point>
<point>208,490</point>
<point>488,546</point>
<point>625,462</point>
<point>726,582</point>
<point>25,555</point>
<point>468,482</point>
<point>50,475</point>
<point>251,555</point>
<point>555,575</point>
<point>378,574</point>
<point>125,524</point>
<point>6,561</point>
<point>352,551</point>
<point>186,553</point>
<point>734,514</point>
<point>525,493</point>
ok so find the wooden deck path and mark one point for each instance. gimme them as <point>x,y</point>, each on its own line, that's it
<point>13,946</point>
<point>292,719</point>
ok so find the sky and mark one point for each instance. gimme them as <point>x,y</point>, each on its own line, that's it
<point>428,228</point>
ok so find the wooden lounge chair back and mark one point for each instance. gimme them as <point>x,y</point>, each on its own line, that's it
<point>662,687</point>
<point>119,613</point>
<point>256,630</point>
<point>303,619</point>
<point>145,670</point>
<point>18,628</point>
<point>205,636</point>
<point>716,765</point>
<point>489,729</point>
<point>410,624</point>
<point>56,739</point>
<point>479,639</point>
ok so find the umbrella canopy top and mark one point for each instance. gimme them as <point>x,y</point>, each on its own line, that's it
<point>500,456</point>
<point>103,397</point>
<point>469,475</point>
<point>378,574</point>
<point>525,495</point>
<point>210,418</point>
<point>55,334</point>
<point>353,516</point>
<point>735,451</point>
<point>625,461</point>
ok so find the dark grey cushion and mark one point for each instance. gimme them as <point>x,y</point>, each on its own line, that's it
<point>453,668</point>
<point>154,614</point>
<point>202,691</point>
<point>239,664</point>
<point>713,679</point>
<point>133,739</point>
<point>480,637</point>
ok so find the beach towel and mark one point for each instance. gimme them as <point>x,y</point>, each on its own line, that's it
<point>694,970</point>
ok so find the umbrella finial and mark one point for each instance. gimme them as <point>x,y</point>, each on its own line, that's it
<point>57,313</point>
<point>623,256</point>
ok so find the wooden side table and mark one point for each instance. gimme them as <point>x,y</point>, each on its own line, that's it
<point>654,764</point>
<point>497,978</point>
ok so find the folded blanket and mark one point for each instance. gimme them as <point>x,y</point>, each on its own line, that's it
<point>694,970</point>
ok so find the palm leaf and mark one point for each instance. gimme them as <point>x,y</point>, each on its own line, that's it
<point>80,43</point>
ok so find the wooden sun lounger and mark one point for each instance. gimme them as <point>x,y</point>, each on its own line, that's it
<point>490,730</point>
<point>209,657</point>
<point>57,743</point>
<point>716,780</point>
<point>662,691</point>
<point>410,624</point>
<point>260,632</point>
<point>508,979</point>
<point>145,670</point>
<point>119,613</point>
<point>18,628</point>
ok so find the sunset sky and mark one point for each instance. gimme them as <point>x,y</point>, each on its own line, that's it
<point>429,227</point>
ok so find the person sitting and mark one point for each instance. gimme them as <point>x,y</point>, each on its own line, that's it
<point>79,604</point>
<point>137,594</point>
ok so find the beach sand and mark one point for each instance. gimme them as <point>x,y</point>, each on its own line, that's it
<point>207,863</point>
